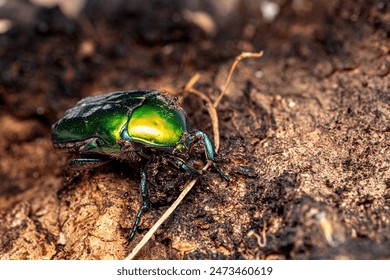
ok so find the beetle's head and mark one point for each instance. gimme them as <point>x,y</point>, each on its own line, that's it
<point>184,145</point>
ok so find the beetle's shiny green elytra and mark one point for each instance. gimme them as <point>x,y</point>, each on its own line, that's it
<point>100,122</point>
<point>128,125</point>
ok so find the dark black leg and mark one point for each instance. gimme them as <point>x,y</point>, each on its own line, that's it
<point>144,206</point>
<point>85,163</point>
<point>185,167</point>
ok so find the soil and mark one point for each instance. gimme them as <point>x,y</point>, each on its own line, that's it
<point>305,131</point>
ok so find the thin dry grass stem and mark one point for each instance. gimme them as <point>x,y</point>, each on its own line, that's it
<point>191,82</point>
<point>261,240</point>
<point>236,61</point>
<point>212,107</point>
<point>212,110</point>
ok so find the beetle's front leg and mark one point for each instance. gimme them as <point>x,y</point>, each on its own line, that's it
<point>144,206</point>
<point>209,147</point>
<point>180,163</point>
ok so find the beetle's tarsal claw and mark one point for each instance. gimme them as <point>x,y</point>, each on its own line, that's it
<point>144,207</point>
<point>221,173</point>
<point>133,231</point>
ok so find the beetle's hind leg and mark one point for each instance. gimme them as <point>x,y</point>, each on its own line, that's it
<point>81,164</point>
<point>209,147</point>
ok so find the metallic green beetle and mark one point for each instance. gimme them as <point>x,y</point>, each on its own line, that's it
<point>128,125</point>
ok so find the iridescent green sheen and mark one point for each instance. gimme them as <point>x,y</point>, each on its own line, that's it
<point>100,118</point>
<point>157,123</point>
<point>101,123</point>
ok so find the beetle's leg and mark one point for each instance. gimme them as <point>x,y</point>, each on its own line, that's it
<point>144,206</point>
<point>85,163</point>
<point>209,147</point>
<point>185,167</point>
